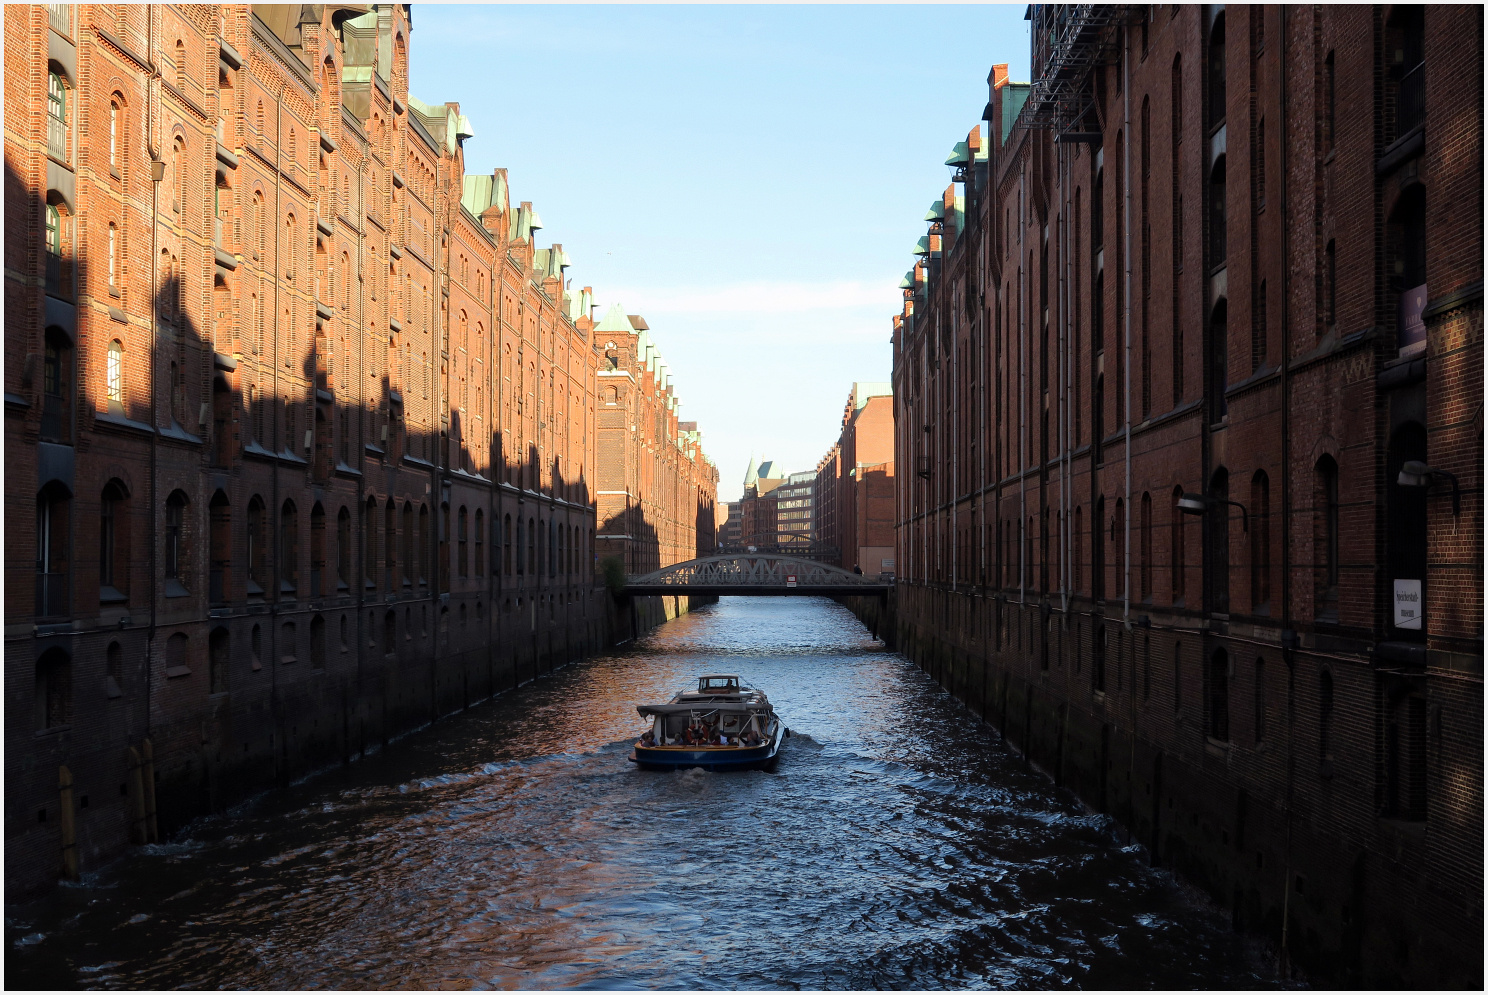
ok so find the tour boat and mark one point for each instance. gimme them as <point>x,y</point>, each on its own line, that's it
<point>742,730</point>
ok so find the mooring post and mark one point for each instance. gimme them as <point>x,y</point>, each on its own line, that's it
<point>147,771</point>
<point>137,830</point>
<point>69,827</point>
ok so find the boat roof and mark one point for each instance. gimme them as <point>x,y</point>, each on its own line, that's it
<point>740,707</point>
<point>718,677</point>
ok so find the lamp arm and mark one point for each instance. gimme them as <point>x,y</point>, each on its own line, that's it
<point>1244,516</point>
<point>1456,490</point>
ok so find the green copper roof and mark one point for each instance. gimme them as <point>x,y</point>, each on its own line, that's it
<point>615,321</point>
<point>908,282</point>
<point>922,246</point>
<point>960,155</point>
<point>936,212</point>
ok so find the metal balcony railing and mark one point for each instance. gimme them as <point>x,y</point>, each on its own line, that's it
<point>60,16</point>
<point>56,138</point>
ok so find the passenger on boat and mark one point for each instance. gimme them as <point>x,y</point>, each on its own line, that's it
<point>752,737</point>
<point>648,738</point>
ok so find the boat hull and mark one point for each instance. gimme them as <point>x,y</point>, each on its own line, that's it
<point>708,758</point>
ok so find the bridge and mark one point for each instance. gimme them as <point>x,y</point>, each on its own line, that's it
<point>766,574</point>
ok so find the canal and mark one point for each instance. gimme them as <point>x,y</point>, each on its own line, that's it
<point>897,844</point>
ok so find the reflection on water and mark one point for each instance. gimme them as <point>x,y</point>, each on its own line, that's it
<point>895,845</point>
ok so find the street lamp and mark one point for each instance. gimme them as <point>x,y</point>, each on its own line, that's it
<point>1414,473</point>
<point>1197,504</point>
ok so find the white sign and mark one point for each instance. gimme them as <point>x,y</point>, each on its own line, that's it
<point>790,580</point>
<point>1408,605</point>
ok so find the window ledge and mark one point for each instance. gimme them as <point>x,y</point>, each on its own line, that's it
<point>110,595</point>
<point>175,589</point>
<point>118,420</point>
<point>177,671</point>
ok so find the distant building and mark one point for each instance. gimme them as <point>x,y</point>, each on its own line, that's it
<point>794,522</point>
<point>854,485</point>
<point>733,527</point>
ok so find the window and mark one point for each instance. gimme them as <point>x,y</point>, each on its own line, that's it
<point>220,553</point>
<point>288,644</point>
<point>1406,39</point>
<point>289,550</point>
<point>218,655</point>
<point>1407,240</point>
<point>1218,216</point>
<point>390,545</point>
<point>53,689</point>
<point>175,544</point>
<point>113,256</point>
<point>115,373</point>
<point>531,546</point>
<point>410,543</point>
<point>369,545</point>
<point>423,545</point>
<point>113,543</point>
<point>180,66</point>
<point>317,553</point>
<point>113,136</point>
<point>1260,543</point>
<point>256,549</point>
<point>1405,783</point>
<point>464,546</point>
<point>480,546</point>
<point>506,545</point>
<point>1218,725</point>
<point>56,387</point>
<point>1407,517</point>
<point>56,117</point>
<point>1219,361</point>
<point>1325,535</point>
<point>1217,72</point>
<point>343,549</point>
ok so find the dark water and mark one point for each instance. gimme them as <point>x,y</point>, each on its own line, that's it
<point>897,845</point>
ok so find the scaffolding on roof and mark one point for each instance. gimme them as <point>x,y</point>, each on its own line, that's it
<point>1073,40</point>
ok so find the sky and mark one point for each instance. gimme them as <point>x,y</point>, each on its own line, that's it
<point>751,180</point>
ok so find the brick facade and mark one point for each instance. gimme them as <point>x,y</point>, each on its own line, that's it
<point>1248,270</point>
<point>300,420</point>
<point>855,486</point>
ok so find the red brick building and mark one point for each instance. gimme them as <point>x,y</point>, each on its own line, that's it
<point>300,420</point>
<point>855,491</point>
<point>1190,376</point>
<point>656,490</point>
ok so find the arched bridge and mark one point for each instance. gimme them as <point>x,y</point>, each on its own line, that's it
<point>768,574</point>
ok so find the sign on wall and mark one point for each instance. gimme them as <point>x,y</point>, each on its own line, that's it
<point>1408,605</point>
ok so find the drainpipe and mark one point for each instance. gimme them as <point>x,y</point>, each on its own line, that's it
<point>1023,276</point>
<point>273,516</point>
<point>1126,304</point>
<point>1063,396</point>
<point>1286,499</point>
<point>152,92</point>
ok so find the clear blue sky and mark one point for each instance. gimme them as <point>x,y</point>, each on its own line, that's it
<point>750,179</point>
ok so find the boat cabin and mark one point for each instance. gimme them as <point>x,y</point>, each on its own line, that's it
<point>718,684</point>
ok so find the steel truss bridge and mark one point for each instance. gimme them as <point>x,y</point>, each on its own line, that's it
<point>767,574</point>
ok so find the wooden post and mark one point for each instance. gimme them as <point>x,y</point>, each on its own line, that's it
<point>69,827</point>
<point>152,828</point>
<point>137,831</point>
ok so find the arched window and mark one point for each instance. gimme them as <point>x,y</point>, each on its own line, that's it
<point>257,541</point>
<point>56,117</point>
<point>317,643</point>
<point>220,554</point>
<point>113,135</point>
<point>176,548</point>
<point>180,65</point>
<point>113,543</point>
<point>289,550</point>
<point>1218,725</point>
<point>1217,72</point>
<point>113,255</point>
<point>53,689</point>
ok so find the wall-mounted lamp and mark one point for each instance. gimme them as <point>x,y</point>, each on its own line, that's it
<point>1197,504</point>
<point>1415,473</point>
